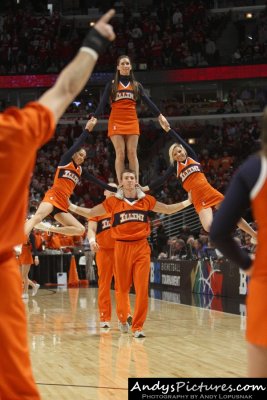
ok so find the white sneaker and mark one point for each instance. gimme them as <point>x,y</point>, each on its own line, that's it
<point>35,289</point>
<point>43,226</point>
<point>119,195</point>
<point>18,249</point>
<point>25,295</point>
<point>104,324</point>
<point>124,328</point>
<point>140,193</point>
<point>139,334</point>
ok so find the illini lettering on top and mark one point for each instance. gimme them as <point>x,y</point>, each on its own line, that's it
<point>65,173</point>
<point>191,169</point>
<point>129,216</point>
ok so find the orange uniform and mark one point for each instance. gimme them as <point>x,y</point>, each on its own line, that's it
<point>105,266</point>
<point>130,228</point>
<point>123,117</point>
<point>248,187</point>
<point>256,300</point>
<point>194,181</point>
<point>23,131</point>
<point>25,258</point>
<point>66,179</point>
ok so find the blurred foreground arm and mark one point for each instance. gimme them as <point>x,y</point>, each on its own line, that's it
<point>76,74</point>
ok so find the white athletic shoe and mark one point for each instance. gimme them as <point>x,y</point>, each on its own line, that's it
<point>35,289</point>
<point>25,295</point>
<point>124,328</point>
<point>119,195</point>
<point>139,334</point>
<point>43,226</point>
<point>140,193</point>
<point>104,324</point>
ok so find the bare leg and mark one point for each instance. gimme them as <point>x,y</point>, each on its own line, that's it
<point>206,217</point>
<point>242,224</point>
<point>257,361</point>
<point>131,144</point>
<point>71,226</point>
<point>118,142</point>
<point>24,273</point>
<point>43,211</point>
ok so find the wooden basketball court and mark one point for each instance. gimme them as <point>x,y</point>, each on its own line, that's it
<point>73,358</point>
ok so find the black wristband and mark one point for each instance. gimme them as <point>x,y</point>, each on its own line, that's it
<point>95,41</point>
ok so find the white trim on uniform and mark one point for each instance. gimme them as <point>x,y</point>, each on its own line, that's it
<point>261,179</point>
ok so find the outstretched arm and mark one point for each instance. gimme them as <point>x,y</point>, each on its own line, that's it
<point>66,158</point>
<point>76,74</point>
<point>159,182</point>
<point>88,212</point>
<point>103,101</point>
<point>179,139</point>
<point>170,208</point>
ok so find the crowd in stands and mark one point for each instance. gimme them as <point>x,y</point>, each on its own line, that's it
<point>252,46</point>
<point>188,245</point>
<point>175,34</point>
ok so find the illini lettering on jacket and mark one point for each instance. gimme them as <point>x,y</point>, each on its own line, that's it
<point>129,216</point>
<point>103,225</point>
<point>188,168</point>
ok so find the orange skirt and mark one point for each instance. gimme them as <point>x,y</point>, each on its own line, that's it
<point>57,199</point>
<point>257,312</point>
<point>123,123</point>
<point>205,196</point>
<point>26,256</point>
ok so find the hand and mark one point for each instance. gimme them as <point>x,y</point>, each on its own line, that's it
<point>249,271</point>
<point>190,196</point>
<point>94,246</point>
<point>104,28</point>
<point>91,123</point>
<point>143,188</point>
<point>164,123</point>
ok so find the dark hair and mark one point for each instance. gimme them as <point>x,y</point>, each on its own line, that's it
<point>133,81</point>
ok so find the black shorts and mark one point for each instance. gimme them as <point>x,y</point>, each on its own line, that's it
<point>57,210</point>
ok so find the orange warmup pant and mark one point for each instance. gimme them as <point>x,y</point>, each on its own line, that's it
<point>132,264</point>
<point>105,268</point>
<point>16,379</point>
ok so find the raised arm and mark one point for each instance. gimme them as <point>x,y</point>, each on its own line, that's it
<point>76,74</point>
<point>190,152</point>
<point>171,208</point>
<point>98,182</point>
<point>152,106</point>
<point>103,101</point>
<point>159,182</point>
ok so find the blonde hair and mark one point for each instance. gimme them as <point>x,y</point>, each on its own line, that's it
<point>171,149</point>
